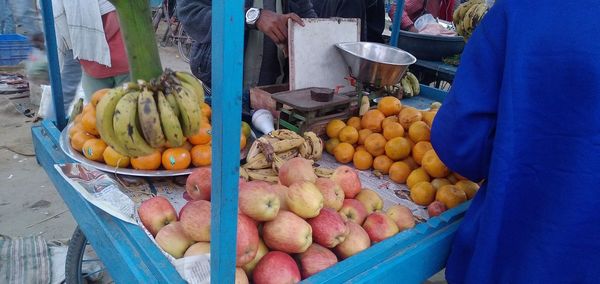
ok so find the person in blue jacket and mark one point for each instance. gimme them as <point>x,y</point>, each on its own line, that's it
<point>523,114</point>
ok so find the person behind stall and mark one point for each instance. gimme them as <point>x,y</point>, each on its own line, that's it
<point>413,9</point>
<point>266,38</point>
<point>370,12</point>
<point>522,115</point>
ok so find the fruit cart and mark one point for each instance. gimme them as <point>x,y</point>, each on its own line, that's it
<point>129,254</point>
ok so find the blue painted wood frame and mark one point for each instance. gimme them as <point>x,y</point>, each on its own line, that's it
<point>227,65</point>
<point>397,23</point>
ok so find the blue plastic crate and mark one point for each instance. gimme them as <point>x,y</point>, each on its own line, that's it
<point>14,48</point>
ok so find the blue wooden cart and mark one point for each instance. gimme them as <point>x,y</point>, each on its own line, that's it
<point>131,257</point>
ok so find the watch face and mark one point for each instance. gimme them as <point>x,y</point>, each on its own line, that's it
<point>252,15</point>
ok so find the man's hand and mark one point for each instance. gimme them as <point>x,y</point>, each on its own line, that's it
<point>275,25</point>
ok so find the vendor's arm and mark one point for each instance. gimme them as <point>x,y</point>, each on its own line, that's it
<point>463,131</point>
<point>407,24</point>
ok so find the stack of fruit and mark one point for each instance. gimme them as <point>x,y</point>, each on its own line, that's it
<point>408,87</point>
<point>147,125</point>
<point>287,231</point>
<point>468,15</point>
<point>395,140</point>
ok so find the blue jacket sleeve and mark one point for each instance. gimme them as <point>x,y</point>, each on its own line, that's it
<point>463,131</point>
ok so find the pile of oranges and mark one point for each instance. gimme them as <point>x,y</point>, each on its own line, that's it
<point>196,151</point>
<point>394,140</point>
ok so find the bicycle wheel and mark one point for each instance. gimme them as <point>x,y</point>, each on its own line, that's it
<point>184,44</point>
<point>82,267</point>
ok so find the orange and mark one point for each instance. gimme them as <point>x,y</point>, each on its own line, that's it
<point>78,118</point>
<point>382,163</point>
<point>88,122</point>
<point>408,116</point>
<point>450,196</point>
<point>243,141</point>
<point>88,108</point>
<point>79,138</point>
<point>397,148</point>
<point>344,153</point>
<point>187,145</point>
<point>204,135</point>
<point>93,149</point>
<point>362,135</point>
<point>452,178</point>
<point>423,193</point>
<point>389,105</point>
<point>148,162</point>
<point>372,120</point>
<point>399,172</point>
<point>411,163</point>
<point>419,131</point>
<point>360,147</point>
<point>205,110</point>
<point>433,165</point>
<point>470,188</point>
<point>375,144</point>
<point>201,155</point>
<point>98,95</point>
<point>348,134</point>
<point>419,150</point>
<point>362,160</point>
<point>330,145</point>
<point>75,128</point>
<point>439,182</point>
<point>114,159</point>
<point>333,127</point>
<point>428,117</point>
<point>416,176</point>
<point>177,158</point>
<point>388,120</point>
<point>354,122</point>
<point>393,130</point>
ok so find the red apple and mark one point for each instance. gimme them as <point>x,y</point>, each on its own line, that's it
<point>353,210</point>
<point>356,241</point>
<point>436,208</point>
<point>198,184</point>
<point>315,259</point>
<point>247,240</point>
<point>240,276</point>
<point>328,228</point>
<point>172,239</point>
<point>402,216</point>
<point>262,251</point>
<point>281,191</point>
<point>288,233</point>
<point>304,199</point>
<point>348,180</point>
<point>156,213</point>
<point>195,220</point>
<point>333,194</point>
<point>198,249</point>
<point>258,200</point>
<point>297,170</point>
<point>370,199</point>
<point>275,268</point>
<point>380,227</point>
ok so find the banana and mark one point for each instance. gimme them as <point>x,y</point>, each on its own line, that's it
<point>284,134</point>
<point>189,108</point>
<point>253,151</point>
<point>316,145</point>
<point>126,125</point>
<point>169,122</point>
<point>323,172</point>
<point>77,108</point>
<point>267,175</point>
<point>469,17</point>
<point>258,162</point>
<point>305,150</point>
<point>364,105</point>
<point>406,87</point>
<point>173,102</point>
<point>285,145</point>
<point>288,155</point>
<point>105,110</point>
<point>150,119</point>
<point>414,83</point>
<point>244,174</point>
<point>277,163</point>
<point>196,84</point>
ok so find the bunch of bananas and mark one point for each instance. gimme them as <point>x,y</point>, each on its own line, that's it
<point>467,16</point>
<point>268,153</point>
<point>408,86</point>
<point>139,118</point>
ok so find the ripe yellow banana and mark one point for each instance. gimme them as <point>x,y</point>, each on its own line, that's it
<point>267,175</point>
<point>257,162</point>
<point>244,174</point>
<point>169,122</point>
<point>406,88</point>
<point>316,145</point>
<point>323,172</point>
<point>288,155</point>
<point>288,144</point>
<point>150,119</point>
<point>364,105</point>
<point>105,110</point>
<point>126,125</point>
<point>305,150</point>
<point>189,111</point>
<point>284,134</point>
<point>414,83</point>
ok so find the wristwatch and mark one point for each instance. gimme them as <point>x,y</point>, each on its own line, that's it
<point>252,16</point>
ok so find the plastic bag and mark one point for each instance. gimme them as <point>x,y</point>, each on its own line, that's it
<point>423,21</point>
<point>46,110</point>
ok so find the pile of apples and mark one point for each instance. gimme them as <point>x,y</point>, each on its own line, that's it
<point>286,231</point>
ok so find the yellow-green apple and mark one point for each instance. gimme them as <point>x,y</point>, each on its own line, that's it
<point>402,216</point>
<point>173,240</point>
<point>436,208</point>
<point>328,228</point>
<point>333,195</point>
<point>380,227</point>
<point>275,268</point>
<point>297,170</point>
<point>247,240</point>
<point>315,259</point>
<point>370,199</point>
<point>156,213</point>
<point>258,200</point>
<point>195,220</point>
<point>288,233</point>
<point>198,184</point>
<point>304,199</point>
<point>353,210</point>
<point>240,276</point>
<point>262,250</point>
<point>348,180</point>
<point>197,249</point>
<point>281,191</point>
<point>356,241</point>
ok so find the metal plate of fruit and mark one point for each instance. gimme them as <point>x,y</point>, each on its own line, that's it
<point>77,156</point>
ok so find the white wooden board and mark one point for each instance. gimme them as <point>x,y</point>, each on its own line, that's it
<point>314,59</point>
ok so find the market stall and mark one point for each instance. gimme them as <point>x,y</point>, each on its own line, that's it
<point>127,249</point>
